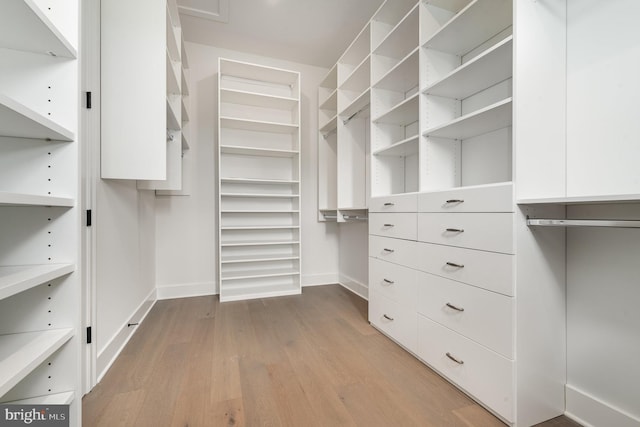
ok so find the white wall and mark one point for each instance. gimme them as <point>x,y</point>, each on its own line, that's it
<point>354,257</point>
<point>186,225</point>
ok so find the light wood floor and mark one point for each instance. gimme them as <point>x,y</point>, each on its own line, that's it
<point>309,360</point>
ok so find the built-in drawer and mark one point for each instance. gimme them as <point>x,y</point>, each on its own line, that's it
<point>393,319</point>
<point>398,225</point>
<point>394,203</point>
<point>403,252</point>
<point>484,231</point>
<point>485,317</point>
<point>479,371</point>
<point>490,198</point>
<point>489,270</point>
<point>394,281</point>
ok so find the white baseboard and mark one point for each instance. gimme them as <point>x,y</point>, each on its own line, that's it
<point>319,279</point>
<point>112,350</point>
<point>354,286</point>
<point>187,290</point>
<point>593,412</point>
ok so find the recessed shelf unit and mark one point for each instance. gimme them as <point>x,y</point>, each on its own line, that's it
<point>258,180</point>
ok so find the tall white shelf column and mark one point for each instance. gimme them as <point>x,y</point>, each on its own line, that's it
<point>258,181</point>
<point>39,204</point>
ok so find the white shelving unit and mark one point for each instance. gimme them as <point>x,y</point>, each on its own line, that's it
<point>259,181</point>
<point>39,205</point>
<point>328,146</point>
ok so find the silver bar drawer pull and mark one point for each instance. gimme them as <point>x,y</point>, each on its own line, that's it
<point>453,264</point>
<point>454,307</point>
<point>388,250</point>
<point>456,230</point>
<point>389,225</point>
<point>450,201</point>
<point>391,282</point>
<point>389,204</point>
<point>387,317</point>
<point>458,361</point>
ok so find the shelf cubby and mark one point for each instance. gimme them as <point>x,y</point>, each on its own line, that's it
<point>403,76</point>
<point>402,40</point>
<point>405,148</point>
<point>18,120</point>
<point>402,114</point>
<point>257,125</point>
<point>354,56</point>
<point>254,151</point>
<point>257,99</point>
<point>16,279</point>
<point>387,18</point>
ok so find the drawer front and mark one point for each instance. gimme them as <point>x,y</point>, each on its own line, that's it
<point>488,270</point>
<point>495,198</point>
<point>482,373</point>
<point>395,320</point>
<point>398,225</point>
<point>484,231</point>
<point>394,203</point>
<point>403,252</point>
<point>483,316</point>
<point>394,281</point>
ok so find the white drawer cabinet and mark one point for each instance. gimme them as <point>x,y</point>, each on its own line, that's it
<point>485,231</point>
<point>394,281</point>
<point>485,317</point>
<point>395,203</point>
<point>488,270</point>
<point>403,252</point>
<point>395,320</point>
<point>474,368</point>
<point>398,225</point>
<point>493,198</point>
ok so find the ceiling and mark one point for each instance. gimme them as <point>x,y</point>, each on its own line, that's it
<point>314,32</point>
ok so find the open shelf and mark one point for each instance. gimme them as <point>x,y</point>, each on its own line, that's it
<point>404,148</point>
<point>252,151</point>
<point>487,69</point>
<point>386,19</point>
<point>50,399</point>
<point>582,200</point>
<point>462,33</point>
<point>265,196</point>
<point>172,117</point>
<point>257,258</point>
<point>359,78</point>
<point>18,120</point>
<point>331,102</point>
<point>259,291</point>
<point>185,112</point>
<point>22,353</point>
<point>403,38</point>
<point>173,86</point>
<point>403,113</point>
<point>230,211</point>
<point>24,26</point>
<point>330,81</point>
<point>16,279</point>
<point>493,117</point>
<point>172,43</point>
<point>20,199</point>
<point>358,104</point>
<point>185,141</point>
<point>259,243</point>
<point>403,76</point>
<point>233,96</point>
<point>258,126</point>
<point>256,181</point>
<point>263,227</point>
<point>258,72</point>
<point>330,125</point>
<point>185,84</point>
<point>252,274</point>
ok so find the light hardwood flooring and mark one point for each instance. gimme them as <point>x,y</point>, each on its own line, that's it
<point>309,360</point>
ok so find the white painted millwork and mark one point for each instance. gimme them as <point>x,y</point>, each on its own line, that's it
<point>40,204</point>
<point>396,282</point>
<point>395,203</point>
<point>398,225</point>
<point>486,198</point>
<point>394,319</point>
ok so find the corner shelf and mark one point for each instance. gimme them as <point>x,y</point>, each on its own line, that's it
<point>21,199</point>
<point>257,125</point>
<point>173,87</point>
<point>264,227</point>
<point>18,120</point>
<point>16,279</point>
<point>22,352</point>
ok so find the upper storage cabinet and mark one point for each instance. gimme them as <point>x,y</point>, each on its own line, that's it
<point>466,91</point>
<point>577,89</point>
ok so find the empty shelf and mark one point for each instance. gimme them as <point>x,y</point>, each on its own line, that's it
<point>173,87</point>
<point>257,125</point>
<point>405,148</point>
<point>172,117</point>
<point>231,293</point>
<point>402,38</point>
<point>330,125</point>
<point>402,114</point>
<point>22,353</point>
<point>185,111</point>
<point>257,72</point>
<point>21,199</point>
<point>253,274</point>
<point>257,99</point>
<point>264,227</point>
<point>16,279</point>
<point>223,211</point>
<point>493,117</point>
<point>256,181</point>
<point>20,121</point>
<point>578,200</point>
<point>584,223</point>
<point>258,195</point>
<point>255,151</point>
<point>359,78</point>
<point>24,26</point>
<point>331,103</point>
<point>259,243</point>
<point>360,104</point>
<point>403,76</point>
<point>257,258</point>
<point>50,399</point>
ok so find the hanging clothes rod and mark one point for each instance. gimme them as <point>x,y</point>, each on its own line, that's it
<point>328,134</point>
<point>584,223</point>
<point>353,116</point>
<point>326,216</point>
<point>355,217</point>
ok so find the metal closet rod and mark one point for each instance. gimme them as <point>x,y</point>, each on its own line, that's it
<point>356,217</point>
<point>583,223</point>
<point>331,132</point>
<point>353,116</point>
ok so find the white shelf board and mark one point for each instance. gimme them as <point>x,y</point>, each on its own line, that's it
<point>172,43</point>
<point>330,125</point>
<point>258,291</point>
<point>257,195</point>
<point>185,59</point>
<point>582,200</point>
<point>18,120</point>
<point>257,125</point>
<point>22,353</point>
<point>462,33</point>
<point>358,104</point>
<point>254,274</point>
<point>256,258</point>
<point>257,72</point>
<point>49,399</point>
<point>183,77</point>
<point>353,208</point>
<point>403,113</point>
<point>583,223</point>
<point>253,211</point>
<point>403,76</point>
<point>257,100</point>
<point>331,103</point>
<point>487,69</point>
<point>173,87</point>
<point>330,80</point>
<point>185,111</point>
<point>405,148</point>
<point>172,117</point>
<point>359,47</point>
<point>25,27</point>
<point>263,227</point>
<point>16,279</point>
<point>229,180</point>
<point>359,77</point>
<point>493,117</point>
<point>21,199</point>
<point>185,141</point>
<point>236,243</point>
<point>403,37</point>
<point>253,151</point>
